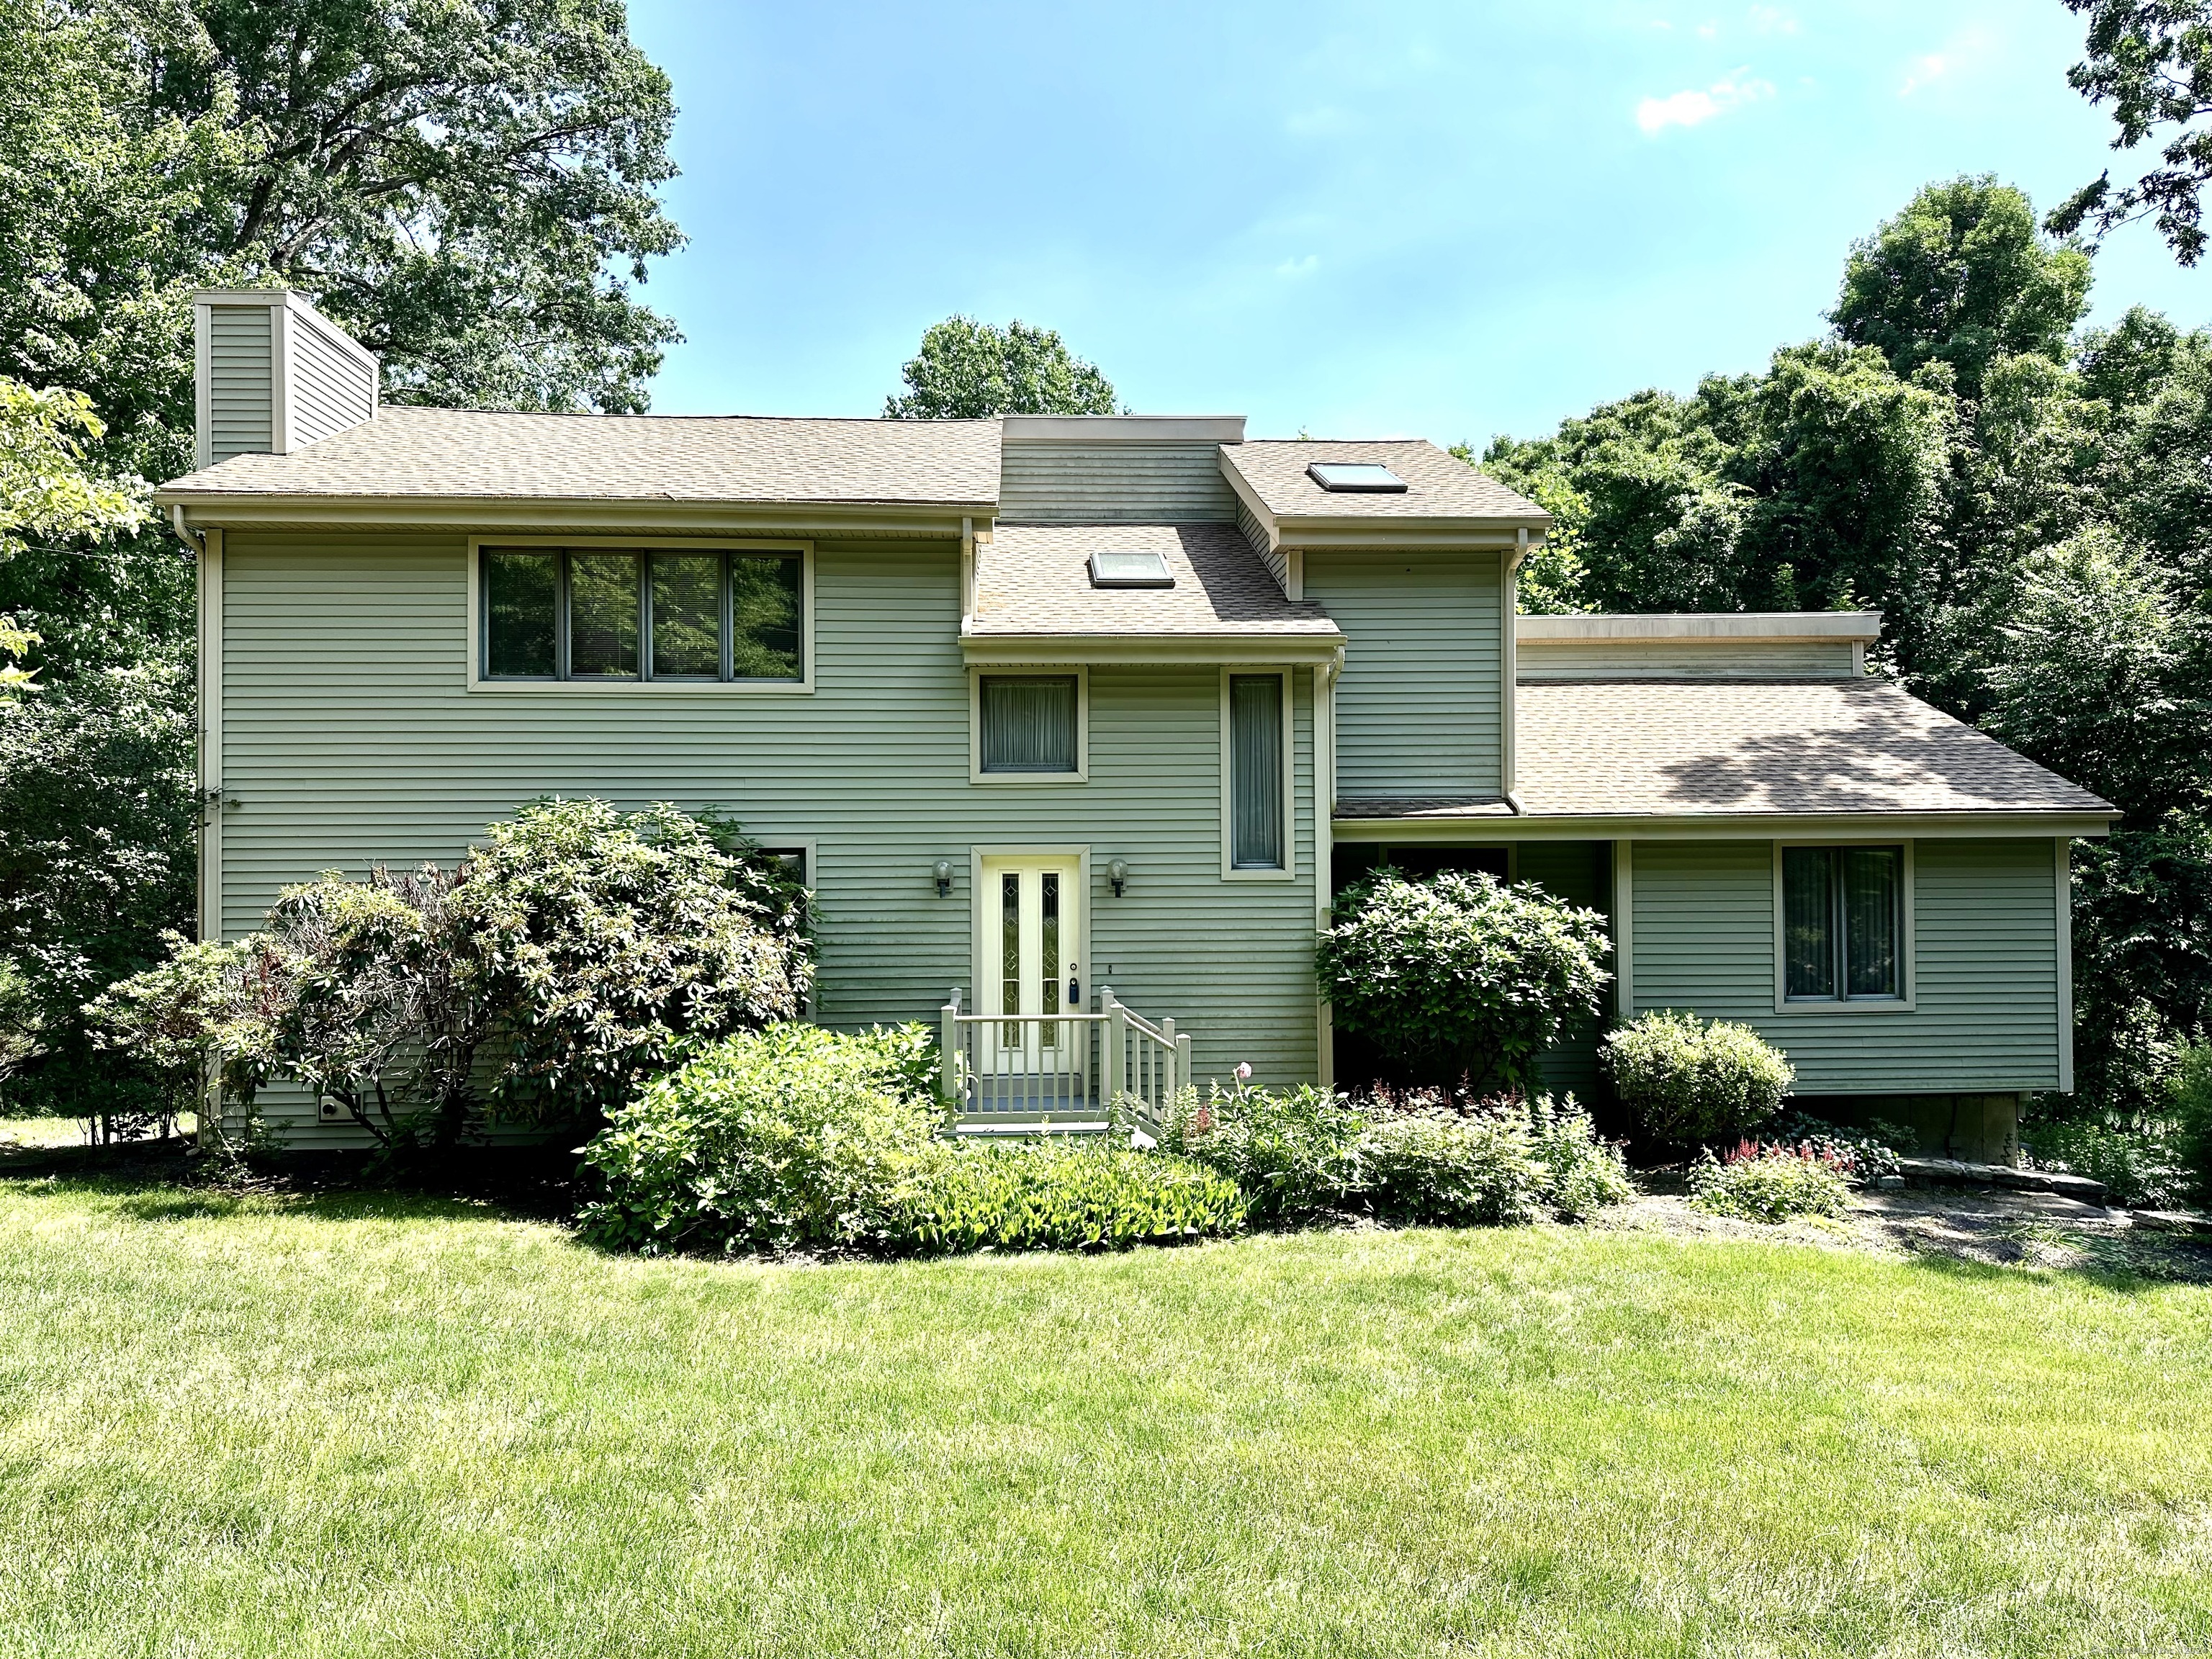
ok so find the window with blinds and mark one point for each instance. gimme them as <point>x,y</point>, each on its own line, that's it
<point>1843,923</point>
<point>1029,723</point>
<point>1257,835</point>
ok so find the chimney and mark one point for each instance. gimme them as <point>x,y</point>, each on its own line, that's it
<point>273,374</point>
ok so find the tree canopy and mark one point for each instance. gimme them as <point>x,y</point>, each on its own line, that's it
<point>2151,60</point>
<point>968,370</point>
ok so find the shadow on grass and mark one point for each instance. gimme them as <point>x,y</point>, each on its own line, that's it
<point>2126,1262</point>
<point>158,1182</point>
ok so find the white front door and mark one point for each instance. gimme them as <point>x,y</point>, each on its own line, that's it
<point>1029,936</point>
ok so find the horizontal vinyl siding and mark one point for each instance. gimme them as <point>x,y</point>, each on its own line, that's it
<point>239,381</point>
<point>1279,565</point>
<point>327,388</point>
<point>1985,962</point>
<point>1417,706</point>
<point>1114,484</point>
<point>1543,660</point>
<point>349,739</point>
<point>1580,873</point>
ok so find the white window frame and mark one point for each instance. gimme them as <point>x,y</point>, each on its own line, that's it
<point>1289,869</point>
<point>1908,964</point>
<point>802,686</point>
<point>1027,671</point>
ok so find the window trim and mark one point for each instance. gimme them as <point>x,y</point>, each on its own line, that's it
<point>1908,972</point>
<point>1024,671</point>
<point>1289,869</point>
<point>473,581</point>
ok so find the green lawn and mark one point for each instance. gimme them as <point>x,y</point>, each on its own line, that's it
<point>380,1426</point>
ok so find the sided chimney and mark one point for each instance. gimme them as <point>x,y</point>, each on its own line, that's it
<point>273,374</point>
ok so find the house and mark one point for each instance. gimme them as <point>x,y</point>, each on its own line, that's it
<point>1047,705</point>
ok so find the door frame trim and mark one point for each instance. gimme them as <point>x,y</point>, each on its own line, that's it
<point>976,853</point>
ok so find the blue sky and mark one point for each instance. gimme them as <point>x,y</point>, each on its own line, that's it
<point>1437,220</point>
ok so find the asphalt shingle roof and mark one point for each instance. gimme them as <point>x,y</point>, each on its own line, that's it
<point>1437,485</point>
<point>475,454</point>
<point>1615,748</point>
<point>1035,578</point>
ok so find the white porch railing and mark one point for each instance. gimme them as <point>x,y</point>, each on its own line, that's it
<point>1013,1069</point>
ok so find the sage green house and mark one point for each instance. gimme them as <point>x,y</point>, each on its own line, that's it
<point>1076,723</point>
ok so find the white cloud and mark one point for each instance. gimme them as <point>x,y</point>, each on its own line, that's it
<point>1296,267</point>
<point>1934,67</point>
<point>1709,31</point>
<point>1771,19</point>
<point>1694,108</point>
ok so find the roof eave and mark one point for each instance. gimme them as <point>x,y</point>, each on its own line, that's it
<point>241,510</point>
<point>1538,824</point>
<point>1028,650</point>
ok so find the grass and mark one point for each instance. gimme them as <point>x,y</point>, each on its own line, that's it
<point>380,1425</point>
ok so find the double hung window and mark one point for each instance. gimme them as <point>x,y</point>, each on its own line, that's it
<point>1843,924</point>
<point>605,614</point>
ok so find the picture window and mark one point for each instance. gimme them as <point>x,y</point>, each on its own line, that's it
<point>593,614</point>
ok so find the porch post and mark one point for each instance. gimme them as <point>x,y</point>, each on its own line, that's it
<point>948,1048</point>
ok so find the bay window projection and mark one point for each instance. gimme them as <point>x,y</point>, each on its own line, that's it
<point>586,614</point>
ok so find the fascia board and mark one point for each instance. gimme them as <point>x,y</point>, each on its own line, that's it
<point>1121,428</point>
<point>216,508</point>
<point>1865,826</point>
<point>1779,627</point>
<point>1250,497</point>
<point>1274,650</point>
<point>1390,533</point>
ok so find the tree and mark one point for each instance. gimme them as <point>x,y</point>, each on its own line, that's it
<point>968,370</point>
<point>1961,276</point>
<point>2152,61</point>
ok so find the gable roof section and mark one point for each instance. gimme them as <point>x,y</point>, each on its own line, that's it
<point>1033,593</point>
<point>446,454</point>
<point>1442,495</point>
<point>1736,748</point>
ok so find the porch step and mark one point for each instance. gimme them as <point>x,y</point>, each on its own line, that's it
<point>1028,1123</point>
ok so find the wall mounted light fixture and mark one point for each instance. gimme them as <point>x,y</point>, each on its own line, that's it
<point>944,873</point>
<point>1117,872</point>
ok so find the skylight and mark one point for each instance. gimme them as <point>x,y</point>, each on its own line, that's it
<point>1356,478</point>
<point>1131,570</point>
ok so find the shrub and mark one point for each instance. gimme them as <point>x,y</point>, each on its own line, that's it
<point>604,938</point>
<point>2147,1168</point>
<point>1063,1195</point>
<point>1308,1153</point>
<point>1874,1151</point>
<point>1294,1152</point>
<point>792,1136</point>
<point>576,952</point>
<point>1769,1183</point>
<point>1685,1080</point>
<point>1461,977</point>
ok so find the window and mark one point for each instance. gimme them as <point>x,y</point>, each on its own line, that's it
<point>1356,478</point>
<point>602,614</point>
<point>1029,723</point>
<point>1255,765</point>
<point>1842,933</point>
